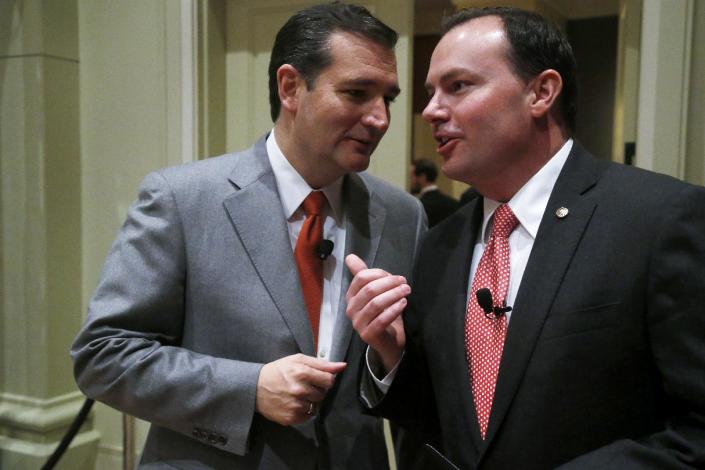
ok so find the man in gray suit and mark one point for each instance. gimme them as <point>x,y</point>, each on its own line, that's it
<point>199,324</point>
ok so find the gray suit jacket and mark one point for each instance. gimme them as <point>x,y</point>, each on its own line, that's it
<point>200,290</point>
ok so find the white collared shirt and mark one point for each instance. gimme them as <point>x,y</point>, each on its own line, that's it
<point>528,205</point>
<point>425,189</point>
<point>293,189</point>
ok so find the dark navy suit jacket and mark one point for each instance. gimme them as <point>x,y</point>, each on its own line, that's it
<point>604,360</point>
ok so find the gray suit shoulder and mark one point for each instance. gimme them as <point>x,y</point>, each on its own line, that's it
<point>221,165</point>
<point>389,194</point>
<point>206,179</point>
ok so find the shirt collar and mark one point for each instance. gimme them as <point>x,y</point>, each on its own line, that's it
<point>293,189</point>
<point>529,203</point>
<point>430,187</point>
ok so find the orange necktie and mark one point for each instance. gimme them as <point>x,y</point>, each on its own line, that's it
<point>309,264</point>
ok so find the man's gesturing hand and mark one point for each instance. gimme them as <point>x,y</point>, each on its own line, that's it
<point>290,389</point>
<point>376,300</point>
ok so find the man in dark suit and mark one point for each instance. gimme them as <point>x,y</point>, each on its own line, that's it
<point>437,205</point>
<point>206,322</point>
<point>468,195</point>
<point>600,363</point>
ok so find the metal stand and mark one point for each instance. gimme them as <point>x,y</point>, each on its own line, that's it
<point>128,442</point>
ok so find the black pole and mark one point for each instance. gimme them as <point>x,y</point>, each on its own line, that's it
<point>70,434</point>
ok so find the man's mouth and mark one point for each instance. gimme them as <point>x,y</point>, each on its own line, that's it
<point>362,141</point>
<point>445,142</point>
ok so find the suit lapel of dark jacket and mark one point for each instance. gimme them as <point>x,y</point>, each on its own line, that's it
<point>257,216</point>
<point>449,310</point>
<point>555,244</point>
<point>437,313</point>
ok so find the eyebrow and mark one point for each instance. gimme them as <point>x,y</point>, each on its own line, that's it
<point>364,82</point>
<point>447,76</point>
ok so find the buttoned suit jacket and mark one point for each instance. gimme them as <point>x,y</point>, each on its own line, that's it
<point>200,289</point>
<point>604,359</point>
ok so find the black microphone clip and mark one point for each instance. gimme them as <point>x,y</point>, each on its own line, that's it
<point>484,300</point>
<point>324,249</point>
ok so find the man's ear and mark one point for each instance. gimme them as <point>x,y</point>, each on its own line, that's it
<point>288,82</point>
<point>545,87</point>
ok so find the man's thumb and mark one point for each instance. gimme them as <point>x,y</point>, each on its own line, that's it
<point>355,264</point>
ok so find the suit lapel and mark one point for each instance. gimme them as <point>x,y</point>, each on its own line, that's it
<point>256,213</point>
<point>364,220</point>
<point>555,244</point>
<point>456,310</point>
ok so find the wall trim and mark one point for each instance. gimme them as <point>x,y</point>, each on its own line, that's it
<point>39,415</point>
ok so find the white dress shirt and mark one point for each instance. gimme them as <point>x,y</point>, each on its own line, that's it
<point>528,205</point>
<point>293,189</point>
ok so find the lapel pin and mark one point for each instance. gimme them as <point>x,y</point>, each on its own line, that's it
<point>561,212</point>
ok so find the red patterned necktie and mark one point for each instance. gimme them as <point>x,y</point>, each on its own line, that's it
<point>309,264</point>
<point>484,337</point>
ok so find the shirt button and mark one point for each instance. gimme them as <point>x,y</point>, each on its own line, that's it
<point>322,353</point>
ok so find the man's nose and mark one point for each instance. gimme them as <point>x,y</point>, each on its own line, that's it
<point>435,110</point>
<point>377,116</point>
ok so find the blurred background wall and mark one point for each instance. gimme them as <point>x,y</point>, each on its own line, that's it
<point>96,93</point>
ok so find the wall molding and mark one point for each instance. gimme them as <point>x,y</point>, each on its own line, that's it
<point>39,416</point>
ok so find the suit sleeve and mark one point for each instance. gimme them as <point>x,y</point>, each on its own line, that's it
<point>675,320</point>
<point>411,388</point>
<point>128,352</point>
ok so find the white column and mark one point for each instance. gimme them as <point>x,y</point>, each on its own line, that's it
<point>666,38</point>
<point>139,100</point>
<point>40,235</point>
<point>695,156</point>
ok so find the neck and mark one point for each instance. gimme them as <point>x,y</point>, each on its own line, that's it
<point>544,145</point>
<point>308,168</point>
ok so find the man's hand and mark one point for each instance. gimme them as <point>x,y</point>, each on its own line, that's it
<point>290,389</point>
<point>376,300</point>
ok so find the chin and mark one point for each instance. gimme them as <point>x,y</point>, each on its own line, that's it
<point>456,170</point>
<point>357,163</point>
<point>450,168</point>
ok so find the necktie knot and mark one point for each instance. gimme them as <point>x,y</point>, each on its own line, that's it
<point>313,204</point>
<point>504,221</point>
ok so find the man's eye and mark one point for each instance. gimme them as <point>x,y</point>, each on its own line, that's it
<point>458,86</point>
<point>356,94</point>
<point>389,100</point>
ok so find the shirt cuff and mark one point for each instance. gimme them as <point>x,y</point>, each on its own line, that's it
<point>374,365</point>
